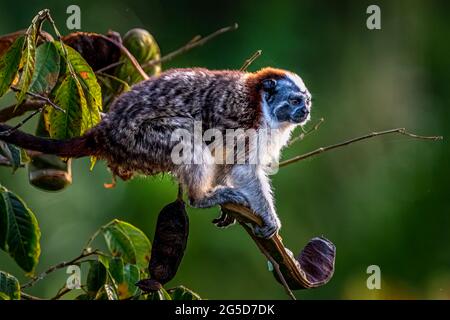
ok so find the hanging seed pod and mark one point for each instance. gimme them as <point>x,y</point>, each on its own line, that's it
<point>46,171</point>
<point>148,285</point>
<point>316,260</point>
<point>169,243</point>
<point>144,48</point>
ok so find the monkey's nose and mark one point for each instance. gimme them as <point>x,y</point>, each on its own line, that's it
<point>299,114</point>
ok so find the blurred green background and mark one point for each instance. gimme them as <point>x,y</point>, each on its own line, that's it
<point>382,202</point>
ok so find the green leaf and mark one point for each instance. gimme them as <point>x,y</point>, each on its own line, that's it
<point>116,270</point>
<point>70,97</point>
<point>19,231</point>
<point>9,287</point>
<point>28,62</point>
<point>12,153</point>
<point>9,64</point>
<point>183,293</point>
<point>96,277</point>
<point>46,74</point>
<point>128,288</point>
<point>141,243</point>
<point>123,277</point>
<point>118,242</point>
<point>29,54</point>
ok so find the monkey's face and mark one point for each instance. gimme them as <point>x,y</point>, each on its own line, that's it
<point>286,100</point>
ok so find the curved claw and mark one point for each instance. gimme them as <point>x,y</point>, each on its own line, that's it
<point>313,267</point>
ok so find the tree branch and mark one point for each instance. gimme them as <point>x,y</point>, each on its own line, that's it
<point>27,296</point>
<point>45,99</point>
<point>21,123</point>
<point>15,111</point>
<point>318,151</point>
<point>195,42</point>
<point>130,57</point>
<point>59,266</point>
<point>250,60</point>
<point>305,133</point>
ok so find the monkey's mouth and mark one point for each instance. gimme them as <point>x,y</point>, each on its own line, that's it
<point>300,115</point>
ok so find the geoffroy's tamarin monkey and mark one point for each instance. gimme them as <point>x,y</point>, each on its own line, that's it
<point>135,136</point>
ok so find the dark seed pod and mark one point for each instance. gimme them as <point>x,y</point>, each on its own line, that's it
<point>48,171</point>
<point>97,51</point>
<point>169,243</point>
<point>317,262</point>
<point>148,285</point>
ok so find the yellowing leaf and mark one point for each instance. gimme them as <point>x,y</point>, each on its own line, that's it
<point>9,64</point>
<point>73,123</point>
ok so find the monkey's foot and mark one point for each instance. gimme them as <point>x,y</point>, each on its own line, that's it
<point>224,220</point>
<point>266,231</point>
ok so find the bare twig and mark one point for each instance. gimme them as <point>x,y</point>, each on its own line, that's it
<point>14,111</point>
<point>305,133</point>
<point>58,266</point>
<point>21,123</point>
<point>110,66</point>
<point>313,153</point>
<point>27,296</point>
<point>250,60</point>
<point>275,265</point>
<point>191,44</point>
<point>64,290</point>
<point>130,57</point>
<point>195,42</point>
<point>38,96</point>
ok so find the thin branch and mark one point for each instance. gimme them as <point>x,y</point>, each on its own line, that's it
<point>304,133</point>
<point>130,57</point>
<point>27,296</point>
<point>110,66</point>
<point>87,246</point>
<point>59,266</point>
<point>61,292</point>
<point>196,42</point>
<point>21,123</point>
<point>318,151</point>
<point>250,60</point>
<point>38,96</point>
<point>14,111</point>
<point>276,266</point>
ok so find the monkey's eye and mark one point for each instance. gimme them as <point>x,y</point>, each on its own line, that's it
<point>295,101</point>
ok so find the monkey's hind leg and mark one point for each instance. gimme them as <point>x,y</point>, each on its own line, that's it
<point>251,189</point>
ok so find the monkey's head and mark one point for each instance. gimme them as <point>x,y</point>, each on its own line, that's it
<point>285,98</point>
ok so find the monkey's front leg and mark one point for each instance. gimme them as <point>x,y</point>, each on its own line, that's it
<point>251,189</point>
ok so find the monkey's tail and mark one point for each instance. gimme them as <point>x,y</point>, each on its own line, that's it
<point>70,148</point>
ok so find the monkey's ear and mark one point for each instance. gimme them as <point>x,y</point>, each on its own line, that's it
<point>269,85</point>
